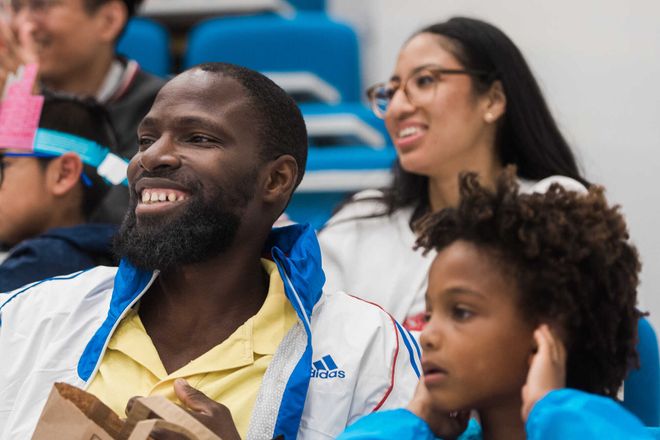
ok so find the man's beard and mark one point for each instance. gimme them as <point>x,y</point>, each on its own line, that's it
<point>204,230</point>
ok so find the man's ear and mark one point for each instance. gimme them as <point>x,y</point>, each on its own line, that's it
<point>63,173</point>
<point>281,177</point>
<point>111,17</point>
<point>495,102</point>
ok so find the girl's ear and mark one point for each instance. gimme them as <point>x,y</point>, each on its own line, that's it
<point>495,103</point>
<point>63,173</point>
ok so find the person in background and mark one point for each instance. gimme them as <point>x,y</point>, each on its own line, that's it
<point>73,41</point>
<point>461,98</point>
<point>531,320</point>
<point>46,199</point>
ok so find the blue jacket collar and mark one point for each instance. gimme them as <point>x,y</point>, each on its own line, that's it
<point>296,250</point>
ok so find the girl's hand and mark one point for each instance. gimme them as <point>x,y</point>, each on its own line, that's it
<point>547,370</point>
<point>445,425</point>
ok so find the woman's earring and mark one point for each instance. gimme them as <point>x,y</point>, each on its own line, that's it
<point>489,117</point>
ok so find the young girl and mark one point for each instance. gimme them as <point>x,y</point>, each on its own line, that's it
<point>531,320</point>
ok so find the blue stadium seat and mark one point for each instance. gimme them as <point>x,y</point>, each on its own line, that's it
<point>333,173</point>
<point>344,124</point>
<point>147,42</point>
<point>308,49</point>
<point>641,392</point>
<point>308,5</point>
<point>349,151</point>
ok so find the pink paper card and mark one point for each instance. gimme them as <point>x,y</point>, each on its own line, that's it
<point>20,110</point>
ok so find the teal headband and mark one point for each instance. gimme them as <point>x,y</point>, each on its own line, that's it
<point>108,165</point>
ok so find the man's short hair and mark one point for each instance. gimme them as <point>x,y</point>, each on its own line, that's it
<point>131,5</point>
<point>280,124</point>
<point>85,118</point>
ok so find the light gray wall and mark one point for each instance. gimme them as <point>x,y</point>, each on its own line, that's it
<point>598,62</point>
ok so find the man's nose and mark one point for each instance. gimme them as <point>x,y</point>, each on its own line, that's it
<point>159,155</point>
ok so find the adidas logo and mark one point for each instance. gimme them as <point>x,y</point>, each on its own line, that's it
<point>325,368</point>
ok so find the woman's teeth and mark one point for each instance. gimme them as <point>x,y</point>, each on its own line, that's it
<point>408,131</point>
<point>161,196</point>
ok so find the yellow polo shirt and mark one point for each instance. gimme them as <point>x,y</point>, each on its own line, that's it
<point>229,373</point>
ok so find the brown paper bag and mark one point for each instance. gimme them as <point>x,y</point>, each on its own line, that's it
<point>147,412</point>
<point>71,413</point>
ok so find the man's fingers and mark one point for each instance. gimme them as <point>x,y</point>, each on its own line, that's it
<point>212,414</point>
<point>166,434</point>
<point>192,397</point>
<point>130,403</point>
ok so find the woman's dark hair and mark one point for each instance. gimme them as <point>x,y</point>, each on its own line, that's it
<point>527,137</point>
<point>572,261</point>
<point>85,118</point>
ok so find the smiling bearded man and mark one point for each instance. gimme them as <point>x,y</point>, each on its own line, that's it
<point>220,153</point>
<point>207,226</point>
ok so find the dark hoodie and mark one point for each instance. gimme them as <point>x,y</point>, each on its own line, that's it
<point>58,251</point>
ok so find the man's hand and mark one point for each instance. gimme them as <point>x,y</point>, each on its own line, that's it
<point>215,416</point>
<point>443,424</point>
<point>547,370</point>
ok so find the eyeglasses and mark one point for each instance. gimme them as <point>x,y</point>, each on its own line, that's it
<point>419,88</point>
<point>86,180</point>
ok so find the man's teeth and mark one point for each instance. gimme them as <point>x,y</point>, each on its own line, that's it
<point>160,196</point>
<point>408,131</point>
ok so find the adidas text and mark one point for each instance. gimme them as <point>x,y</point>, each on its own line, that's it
<point>324,374</point>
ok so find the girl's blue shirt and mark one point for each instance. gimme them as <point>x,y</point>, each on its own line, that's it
<point>565,414</point>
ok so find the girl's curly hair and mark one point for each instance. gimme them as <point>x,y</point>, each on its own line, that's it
<point>574,265</point>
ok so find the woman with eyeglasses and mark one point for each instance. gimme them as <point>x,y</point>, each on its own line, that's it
<point>461,98</point>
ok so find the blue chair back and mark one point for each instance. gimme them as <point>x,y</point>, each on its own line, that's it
<point>334,173</point>
<point>147,42</point>
<point>641,392</point>
<point>306,42</point>
<point>360,125</point>
<point>308,5</point>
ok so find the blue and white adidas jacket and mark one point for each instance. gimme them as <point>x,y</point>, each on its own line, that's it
<point>343,359</point>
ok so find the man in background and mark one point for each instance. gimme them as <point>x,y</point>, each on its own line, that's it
<point>73,41</point>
